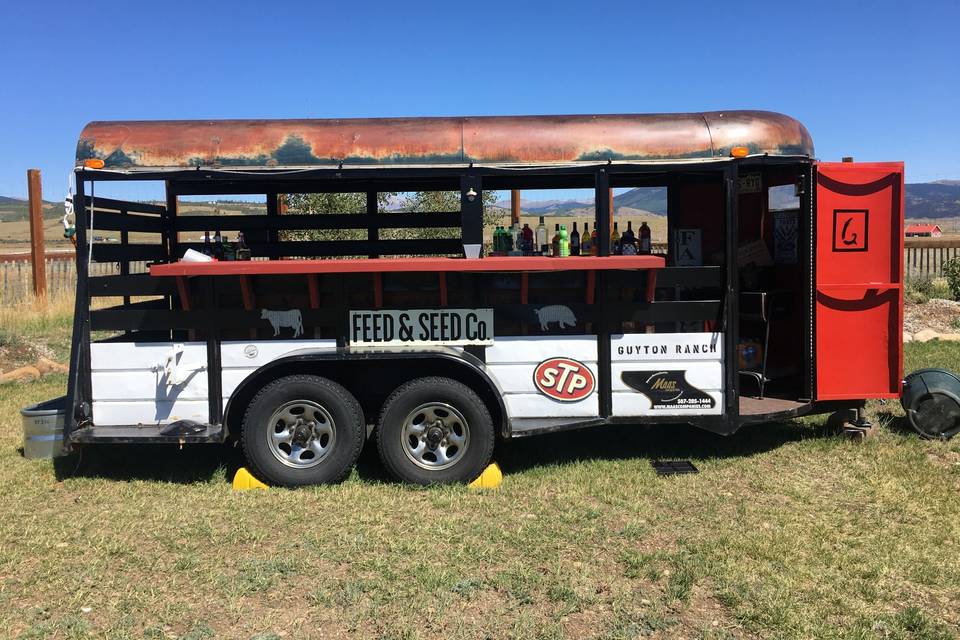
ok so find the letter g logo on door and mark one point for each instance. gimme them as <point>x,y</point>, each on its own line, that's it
<point>564,379</point>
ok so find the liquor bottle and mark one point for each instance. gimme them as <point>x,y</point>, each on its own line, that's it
<point>541,235</point>
<point>646,246</point>
<point>564,242</point>
<point>628,241</point>
<point>527,235</point>
<point>555,249</point>
<point>243,251</point>
<point>575,241</point>
<point>207,249</point>
<point>218,245</point>
<point>594,243</point>
<point>515,237</point>
<point>585,247</point>
<point>615,240</point>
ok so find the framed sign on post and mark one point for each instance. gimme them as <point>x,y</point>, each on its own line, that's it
<point>689,248</point>
<point>785,236</point>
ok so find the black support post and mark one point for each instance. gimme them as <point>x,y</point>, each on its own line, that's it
<point>214,371</point>
<point>273,210</point>
<point>602,202</point>
<point>731,319</point>
<point>471,209</point>
<point>169,223</point>
<point>373,229</point>
<point>604,361</point>
<point>79,374</point>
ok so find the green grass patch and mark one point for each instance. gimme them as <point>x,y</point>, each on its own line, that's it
<point>789,531</point>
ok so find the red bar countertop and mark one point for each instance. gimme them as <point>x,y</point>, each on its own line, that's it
<point>387,265</point>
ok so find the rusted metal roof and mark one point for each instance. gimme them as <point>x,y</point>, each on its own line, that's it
<point>425,141</point>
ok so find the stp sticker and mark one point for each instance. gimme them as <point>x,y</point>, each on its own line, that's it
<point>564,379</point>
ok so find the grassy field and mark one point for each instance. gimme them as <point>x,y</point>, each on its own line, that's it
<point>789,531</point>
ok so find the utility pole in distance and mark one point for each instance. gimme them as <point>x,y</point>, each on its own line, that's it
<point>38,253</point>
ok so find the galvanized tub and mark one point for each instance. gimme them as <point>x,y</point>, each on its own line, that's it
<point>43,428</point>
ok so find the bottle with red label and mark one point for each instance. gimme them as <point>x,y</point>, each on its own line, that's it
<point>527,235</point>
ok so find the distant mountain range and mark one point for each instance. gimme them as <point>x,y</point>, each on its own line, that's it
<point>940,199</point>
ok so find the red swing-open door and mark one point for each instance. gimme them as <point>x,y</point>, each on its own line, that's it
<point>859,280</point>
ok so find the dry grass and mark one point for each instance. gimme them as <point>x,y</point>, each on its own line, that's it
<point>788,531</point>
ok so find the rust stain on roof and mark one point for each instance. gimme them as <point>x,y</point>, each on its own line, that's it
<point>412,141</point>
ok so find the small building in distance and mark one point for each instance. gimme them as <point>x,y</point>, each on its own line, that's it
<point>923,231</point>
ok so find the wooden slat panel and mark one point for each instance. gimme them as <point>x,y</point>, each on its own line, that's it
<point>689,276</point>
<point>318,221</point>
<point>109,221</point>
<point>141,284</point>
<point>328,248</point>
<point>129,253</point>
<point>124,205</point>
<point>147,320</point>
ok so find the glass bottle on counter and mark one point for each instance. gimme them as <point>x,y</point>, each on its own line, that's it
<point>564,242</point>
<point>218,245</point>
<point>527,234</point>
<point>594,242</point>
<point>646,245</point>
<point>243,251</point>
<point>628,241</point>
<point>585,240</point>
<point>574,241</point>
<point>555,248</point>
<point>615,240</point>
<point>207,249</point>
<point>541,235</point>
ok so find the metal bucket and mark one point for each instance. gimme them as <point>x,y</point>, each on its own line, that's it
<point>931,398</point>
<point>43,428</point>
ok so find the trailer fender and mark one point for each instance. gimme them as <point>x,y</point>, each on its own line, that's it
<point>372,376</point>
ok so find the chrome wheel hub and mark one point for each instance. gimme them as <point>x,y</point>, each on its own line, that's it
<point>435,436</point>
<point>301,434</point>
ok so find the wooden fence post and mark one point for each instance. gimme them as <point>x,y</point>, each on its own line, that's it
<point>514,206</point>
<point>38,255</point>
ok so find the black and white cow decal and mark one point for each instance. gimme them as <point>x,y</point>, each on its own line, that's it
<point>282,319</point>
<point>559,313</point>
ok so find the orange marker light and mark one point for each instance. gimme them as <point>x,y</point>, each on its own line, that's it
<point>93,163</point>
<point>739,152</point>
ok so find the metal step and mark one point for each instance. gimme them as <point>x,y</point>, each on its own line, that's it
<point>520,427</point>
<point>191,432</point>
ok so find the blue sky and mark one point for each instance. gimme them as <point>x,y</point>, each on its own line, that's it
<point>876,80</point>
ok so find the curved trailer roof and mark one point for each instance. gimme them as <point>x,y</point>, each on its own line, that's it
<point>494,140</point>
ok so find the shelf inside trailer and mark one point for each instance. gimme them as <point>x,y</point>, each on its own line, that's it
<point>408,265</point>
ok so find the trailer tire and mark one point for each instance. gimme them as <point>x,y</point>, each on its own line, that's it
<point>435,431</point>
<point>302,430</point>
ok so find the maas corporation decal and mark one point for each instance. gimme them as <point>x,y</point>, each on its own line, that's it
<point>564,379</point>
<point>668,389</point>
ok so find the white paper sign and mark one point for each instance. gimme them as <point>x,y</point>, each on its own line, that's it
<point>403,327</point>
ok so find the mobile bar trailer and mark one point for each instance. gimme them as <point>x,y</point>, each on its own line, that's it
<point>752,312</point>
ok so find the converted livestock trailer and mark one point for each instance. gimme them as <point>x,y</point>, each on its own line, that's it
<point>753,311</point>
